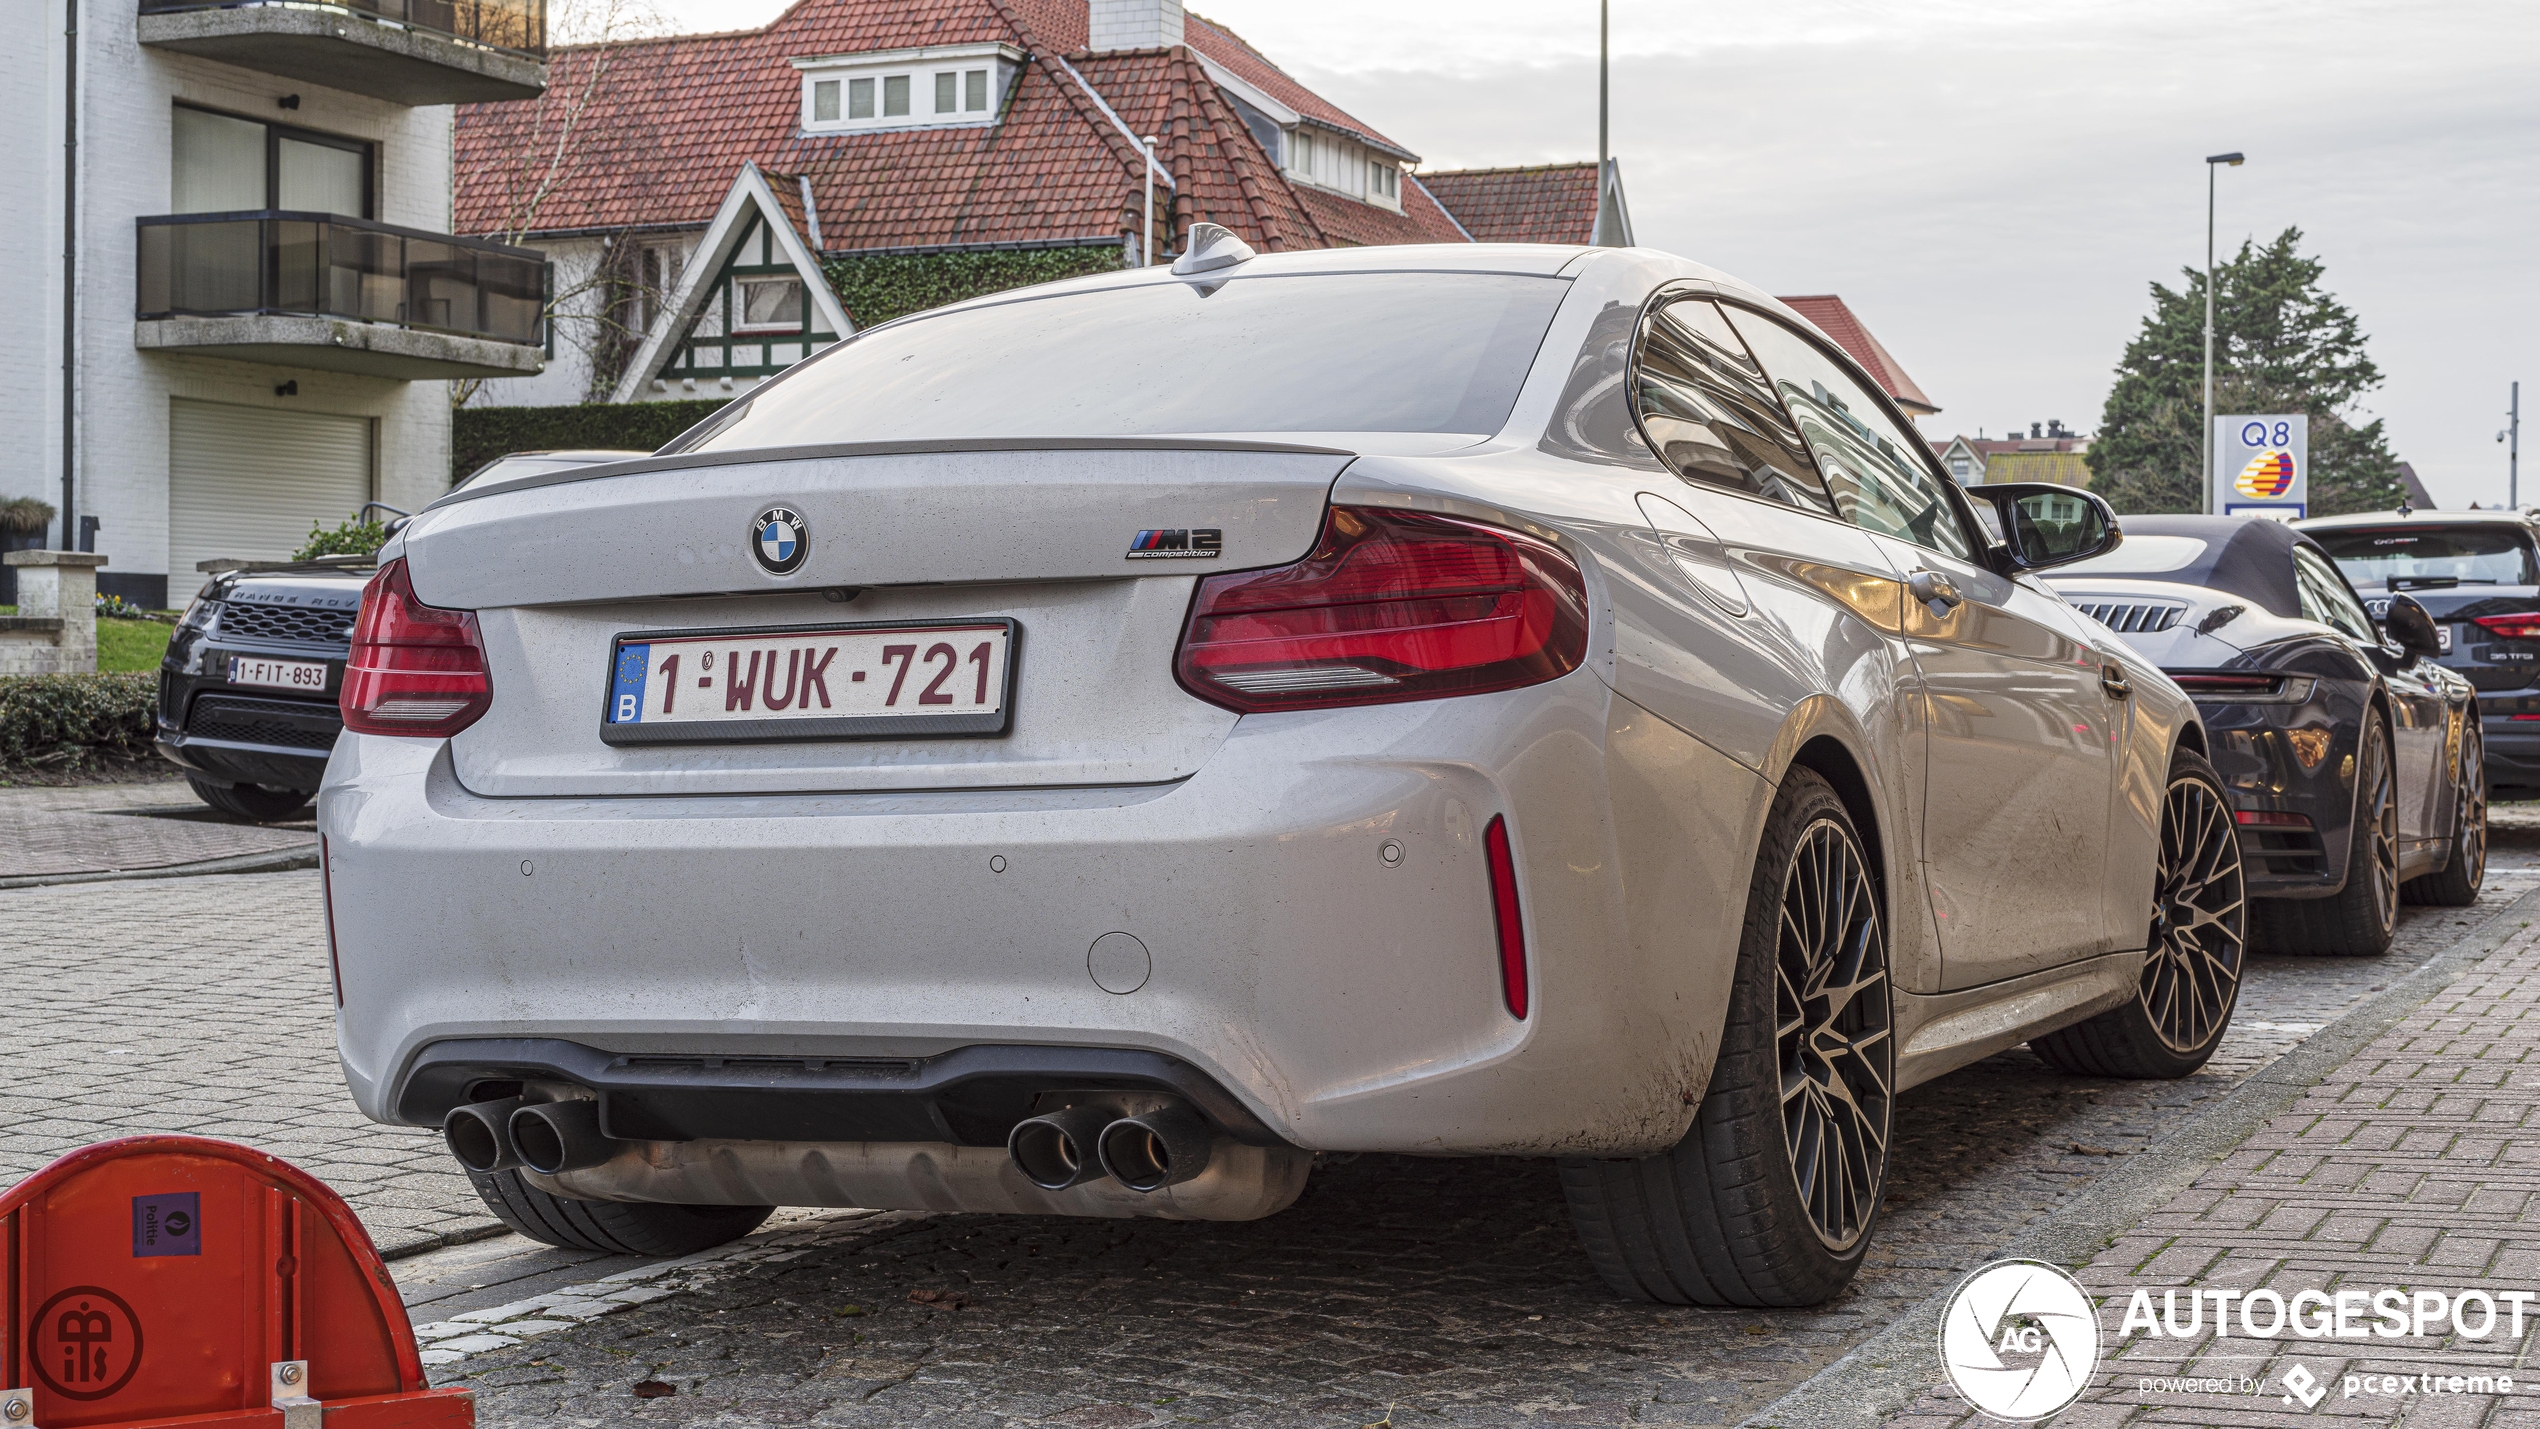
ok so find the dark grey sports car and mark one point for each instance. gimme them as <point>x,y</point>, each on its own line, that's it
<point>2352,756</point>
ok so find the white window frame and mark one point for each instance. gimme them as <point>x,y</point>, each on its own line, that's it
<point>978,76</point>
<point>740,305</point>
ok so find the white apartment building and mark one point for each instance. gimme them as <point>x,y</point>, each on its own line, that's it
<point>236,308</point>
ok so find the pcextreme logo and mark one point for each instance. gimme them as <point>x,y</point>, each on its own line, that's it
<point>2019,1339</point>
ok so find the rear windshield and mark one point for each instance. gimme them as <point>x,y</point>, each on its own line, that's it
<point>2467,555</point>
<point>1328,352</point>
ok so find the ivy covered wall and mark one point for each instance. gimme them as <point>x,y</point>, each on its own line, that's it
<point>881,287</point>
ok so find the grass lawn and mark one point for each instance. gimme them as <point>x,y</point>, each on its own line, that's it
<point>125,646</point>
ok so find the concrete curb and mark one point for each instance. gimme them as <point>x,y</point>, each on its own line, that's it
<point>273,861</point>
<point>1890,1370</point>
<point>403,1250</point>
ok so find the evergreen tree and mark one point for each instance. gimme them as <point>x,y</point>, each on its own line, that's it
<point>2281,344</point>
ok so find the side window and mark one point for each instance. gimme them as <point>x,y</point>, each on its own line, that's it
<point>1710,411</point>
<point>1875,471</point>
<point>2326,599</point>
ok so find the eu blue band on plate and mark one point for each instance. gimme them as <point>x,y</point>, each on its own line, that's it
<point>626,699</point>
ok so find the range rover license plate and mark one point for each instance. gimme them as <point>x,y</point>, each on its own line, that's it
<point>771,683</point>
<point>308,676</point>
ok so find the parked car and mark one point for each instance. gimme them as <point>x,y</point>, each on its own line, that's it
<point>2352,754</point>
<point>2477,574</point>
<point>1088,750</point>
<point>247,688</point>
<point>247,691</point>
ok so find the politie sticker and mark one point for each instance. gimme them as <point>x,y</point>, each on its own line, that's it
<point>168,1224</point>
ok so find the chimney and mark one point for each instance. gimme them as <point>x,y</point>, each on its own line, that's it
<point>1134,24</point>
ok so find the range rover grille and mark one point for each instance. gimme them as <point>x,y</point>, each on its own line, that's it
<point>287,623</point>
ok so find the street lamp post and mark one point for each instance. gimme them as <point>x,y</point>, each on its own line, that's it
<point>2235,160</point>
<point>2513,453</point>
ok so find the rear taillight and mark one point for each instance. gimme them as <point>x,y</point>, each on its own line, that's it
<point>415,668</point>
<point>2525,626</point>
<point>2270,819</point>
<point>1389,606</point>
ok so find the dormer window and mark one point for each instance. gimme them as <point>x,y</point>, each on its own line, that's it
<point>1334,161</point>
<point>906,89</point>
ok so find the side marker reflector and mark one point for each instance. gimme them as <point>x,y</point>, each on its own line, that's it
<point>1504,912</point>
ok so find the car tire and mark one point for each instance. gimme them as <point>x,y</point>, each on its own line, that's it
<point>256,803</point>
<point>612,1227</point>
<point>1723,1218</point>
<point>2196,952</point>
<point>2360,919</point>
<point>2456,883</point>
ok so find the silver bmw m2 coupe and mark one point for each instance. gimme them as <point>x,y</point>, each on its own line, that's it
<point>1087,750</point>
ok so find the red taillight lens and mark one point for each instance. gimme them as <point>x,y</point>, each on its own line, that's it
<point>2269,819</point>
<point>1391,605</point>
<point>1506,917</point>
<point>2525,626</point>
<point>415,668</point>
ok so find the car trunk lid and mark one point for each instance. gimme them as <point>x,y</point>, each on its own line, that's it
<point>1064,542</point>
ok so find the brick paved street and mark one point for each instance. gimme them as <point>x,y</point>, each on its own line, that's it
<point>98,827</point>
<point>200,1004</point>
<point>2414,1165</point>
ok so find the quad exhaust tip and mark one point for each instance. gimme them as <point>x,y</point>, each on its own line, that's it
<point>479,1135</point>
<point>1056,1151</point>
<point>1156,1149</point>
<point>550,1137</point>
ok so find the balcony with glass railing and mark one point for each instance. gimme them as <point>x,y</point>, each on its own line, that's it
<point>410,52</point>
<point>323,291</point>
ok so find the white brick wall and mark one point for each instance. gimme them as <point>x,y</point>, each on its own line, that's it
<point>1135,24</point>
<point>127,93</point>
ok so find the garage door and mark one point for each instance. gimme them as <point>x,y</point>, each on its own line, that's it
<point>247,481</point>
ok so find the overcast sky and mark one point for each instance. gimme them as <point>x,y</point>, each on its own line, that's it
<point>1992,185</point>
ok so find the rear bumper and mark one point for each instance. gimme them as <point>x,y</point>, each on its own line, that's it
<point>1343,1000</point>
<point>2513,745</point>
<point>2288,759</point>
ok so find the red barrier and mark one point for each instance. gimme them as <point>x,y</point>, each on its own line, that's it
<point>166,1278</point>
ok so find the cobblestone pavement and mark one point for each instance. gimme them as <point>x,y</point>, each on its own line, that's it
<point>1442,1291</point>
<point>200,1005</point>
<point>101,827</point>
<point>2414,1165</point>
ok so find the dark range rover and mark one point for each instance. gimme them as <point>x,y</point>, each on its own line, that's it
<point>2478,574</point>
<point>247,692</point>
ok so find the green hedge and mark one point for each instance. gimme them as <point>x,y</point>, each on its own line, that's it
<point>881,287</point>
<point>484,433</point>
<point>43,715</point>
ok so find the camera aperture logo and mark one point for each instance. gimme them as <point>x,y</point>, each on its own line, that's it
<point>2020,1339</point>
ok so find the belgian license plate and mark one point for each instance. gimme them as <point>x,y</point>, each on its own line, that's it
<point>772,683</point>
<point>308,676</point>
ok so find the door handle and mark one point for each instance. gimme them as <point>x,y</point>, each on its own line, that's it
<point>1934,589</point>
<point>2113,681</point>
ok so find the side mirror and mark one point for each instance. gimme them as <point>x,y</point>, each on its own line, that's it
<point>2048,525</point>
<point>2408,625</point>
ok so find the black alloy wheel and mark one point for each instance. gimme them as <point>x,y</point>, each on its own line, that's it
<point>2194,951</point>
<point>1831,1024</point>
<point>1772,1195</point>
<point>2191,966</point>
<point>2456,883</point>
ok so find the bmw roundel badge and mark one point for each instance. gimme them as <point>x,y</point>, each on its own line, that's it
<point>781,540</point>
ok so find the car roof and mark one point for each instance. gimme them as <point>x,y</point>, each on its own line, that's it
<point>2244,556</point>
<point>2498,517</point>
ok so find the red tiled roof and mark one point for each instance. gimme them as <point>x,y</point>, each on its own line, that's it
<point>1547,203</point>
<point>1837,321</point>
<point>1254,68</point>
<point>660,127</point>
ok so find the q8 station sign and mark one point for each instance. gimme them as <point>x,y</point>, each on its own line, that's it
<point>2262,466</point>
